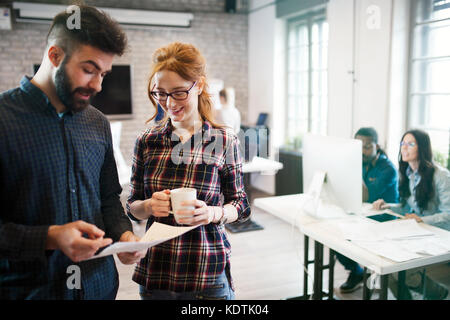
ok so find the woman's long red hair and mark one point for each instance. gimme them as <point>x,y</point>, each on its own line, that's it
<point>187,61</point>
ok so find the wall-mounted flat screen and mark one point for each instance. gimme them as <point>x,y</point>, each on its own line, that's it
<point>115,99</point>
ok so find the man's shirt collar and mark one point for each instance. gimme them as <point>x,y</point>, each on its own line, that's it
<point>39,97</point>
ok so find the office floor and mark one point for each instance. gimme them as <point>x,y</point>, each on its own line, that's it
<point>267,264</point>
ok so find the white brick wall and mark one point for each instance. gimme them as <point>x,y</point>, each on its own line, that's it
<point>221,37</point>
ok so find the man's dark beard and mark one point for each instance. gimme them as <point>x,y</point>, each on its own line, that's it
<point>63,87</point>
<point>367,160</point>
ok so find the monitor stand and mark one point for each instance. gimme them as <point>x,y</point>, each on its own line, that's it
<point>322,204</point>
<point>328,210</point>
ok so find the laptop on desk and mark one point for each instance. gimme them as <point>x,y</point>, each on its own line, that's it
<point>262,119</point>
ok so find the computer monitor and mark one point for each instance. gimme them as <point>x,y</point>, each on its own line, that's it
<point>341,160</point>
<point>115,99</point>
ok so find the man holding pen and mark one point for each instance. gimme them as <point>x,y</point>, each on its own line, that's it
<point>59,187</point>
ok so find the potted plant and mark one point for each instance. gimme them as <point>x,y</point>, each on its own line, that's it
<point>440,158</point>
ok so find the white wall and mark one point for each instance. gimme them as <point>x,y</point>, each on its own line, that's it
<point>359,66</point>
<point>261,39</point>
<point>399,77</point>
<point>372,65</point>
<point>368,41</point>
<point>340,17</point>
<point>379,30</point>
<point>261,68</point>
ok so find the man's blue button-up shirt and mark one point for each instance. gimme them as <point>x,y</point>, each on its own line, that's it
<point>54,170</point>
<point>381,180</point>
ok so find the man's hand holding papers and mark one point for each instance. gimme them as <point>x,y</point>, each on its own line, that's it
<point>155,235</point>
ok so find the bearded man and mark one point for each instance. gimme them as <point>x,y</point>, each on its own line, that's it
<point>59,187</point>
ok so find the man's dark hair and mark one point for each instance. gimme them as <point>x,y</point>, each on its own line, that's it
<point>96,29</point>
<point>371,133</point>
<point>368,132</point>
<point>223,94</point>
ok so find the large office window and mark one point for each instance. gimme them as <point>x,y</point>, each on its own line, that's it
<point>429,94</point>
<point>307,103</point>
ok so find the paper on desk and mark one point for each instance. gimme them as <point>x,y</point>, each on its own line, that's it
<point>357,229</point>
<point>434,245</point>
<point>388,249</point>
<point>408,248</point>
<point>156,234</point>
<point>402,229</point>
<point>398,240</point>
<point>365,230</point>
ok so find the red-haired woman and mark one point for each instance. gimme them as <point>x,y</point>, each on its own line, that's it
<point>186,149</point>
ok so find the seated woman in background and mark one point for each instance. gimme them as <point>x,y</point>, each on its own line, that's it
<point>424,189</point>
<point>424,186</point>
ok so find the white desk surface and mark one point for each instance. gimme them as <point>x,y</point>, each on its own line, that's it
<point>261,165</point>
<point>321,231</point>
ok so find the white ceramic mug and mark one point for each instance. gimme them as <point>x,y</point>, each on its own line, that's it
<point>177,196</point>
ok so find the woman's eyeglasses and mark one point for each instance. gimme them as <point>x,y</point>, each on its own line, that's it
<point>176,95</point>
<point>408,144</point>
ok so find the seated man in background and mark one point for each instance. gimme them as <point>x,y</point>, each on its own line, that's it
<point>379,182</point>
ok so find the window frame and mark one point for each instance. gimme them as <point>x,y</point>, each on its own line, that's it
<point>307,19</point>
<point>411,113</point>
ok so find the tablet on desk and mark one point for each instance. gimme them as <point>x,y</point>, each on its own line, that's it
<point>383,217</point>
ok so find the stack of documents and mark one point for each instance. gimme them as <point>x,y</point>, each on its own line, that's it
<point>398,240</point>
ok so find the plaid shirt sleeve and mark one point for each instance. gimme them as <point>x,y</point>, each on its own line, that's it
<point>137,177</point>
<point>232,180</point>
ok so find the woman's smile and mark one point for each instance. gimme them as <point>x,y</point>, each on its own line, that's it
<point>176,111</point>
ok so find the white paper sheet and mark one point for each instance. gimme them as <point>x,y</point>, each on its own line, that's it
<point>428,245</point>
<point>402,229</point>
<point>356,229</point>
<point>156,234</point>
<point>388,249</point>
<point>398,240</point>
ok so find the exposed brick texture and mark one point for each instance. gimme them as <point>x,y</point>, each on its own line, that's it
<point>220,36</point>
